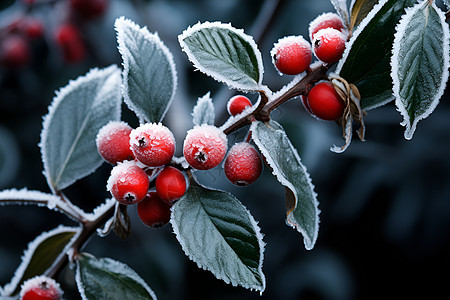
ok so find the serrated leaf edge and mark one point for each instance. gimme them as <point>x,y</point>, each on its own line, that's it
<point>28,253</point>
<point>60,95</point>
<point>216,75</point>
<point>122,22</point>
<point>205,100</point>
<point>120,266</point>
<point>404,21</point>
<point>309,243</point>
<point>224,277</point>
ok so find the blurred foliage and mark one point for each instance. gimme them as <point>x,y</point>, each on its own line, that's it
<point>385,203</point>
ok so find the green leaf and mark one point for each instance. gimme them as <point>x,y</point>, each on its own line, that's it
<point>149,75</point>
<point>302,205</point>
<point>218,233</point>
<point>105,278</point>
<point>203,112</point>
<point>366,61</point>
<point>225,53</point>
<point>420,63</point>
<point>76,115</point>
<point>40,256</point>
<point>359,10</point>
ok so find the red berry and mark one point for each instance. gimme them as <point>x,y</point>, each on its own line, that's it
<point>128,183</point>
<point>33,28</point>
<point>152,144</point>
<point>170,184</point>
<point>204,147</point>
<point>243,164</point>
<point>326,20</point>
<point>68,37</point>
<point>113,142</point>
<point>237,104</point>
<point>14,51</point>
<point>89,8</point>
<point>291,55</point>
<point>329,45</point>
<point>40,288</point>
<point>325,102</point>
<point>153,211</point>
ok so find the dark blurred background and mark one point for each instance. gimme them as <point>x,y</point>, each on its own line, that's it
<point>385,203</point>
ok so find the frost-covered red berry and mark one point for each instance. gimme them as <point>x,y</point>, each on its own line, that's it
<point>128,183</point>
<point>14,51</point>
<point>326,20</point>
<point>153,211</point>
<point>170,184</point>
<point>69,39</point>
<point>40,288</point>
<point>243,164</point>
<point>291,55</point>
<point>89,8</point>
<point>152,144</point>
<point>325,102</point>
<point>237,104</point>
<point>113,142</point>
<point>329,45</point>
<point>204,147</point>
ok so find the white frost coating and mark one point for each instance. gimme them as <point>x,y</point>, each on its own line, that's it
<point>342,9</point>
<point>119,26</point>
<point>100,210</point>
<point>27,255</point>
<point>287,41</point>
<point>110,128</point>
<point>181,161</point>
<point>156,132</point>
<point>309,244</point>
<point>357,32</point>
<point>224,277</point>
<point>329,16</point>
<point>60,95</point>
<point>116,172</point>
<point>114,266</point>
<point>400,31</point>
<point>24,197</point>
<point>36,281</point>
<point>216,75</point>
<point>203,112</point>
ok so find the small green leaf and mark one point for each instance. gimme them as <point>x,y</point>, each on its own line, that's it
<point>225,53</point>
<point>149,75</point>
<point>366,61</point>
<point>359,10</point>
<point>203,112</point>
<point>40,256</point>
<point>302,205</point>
<point>420,63</point>
<point>218,233</point>
<point>76,115</point>
<point>105,278</point>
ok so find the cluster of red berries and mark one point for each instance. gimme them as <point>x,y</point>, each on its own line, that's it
<point>40,288</point>
<point>145,153</point>
<point>292,55</point>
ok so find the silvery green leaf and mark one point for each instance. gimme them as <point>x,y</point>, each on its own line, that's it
<point>203,112</point>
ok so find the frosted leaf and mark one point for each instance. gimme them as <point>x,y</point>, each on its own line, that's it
<point>359,10</point>
<point>77,113</point>
<point>149,74</point>
<point>420,62</point>
<point>38,258</point>
<point>113,280</point>
<point>341,9</point>
<point>203,112</point>
<point>101,209</point>
<point>225,53</point>
<point>235,247</point>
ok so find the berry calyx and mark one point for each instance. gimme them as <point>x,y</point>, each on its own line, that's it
<point>326,20</point>
<point>152,144</point>
<point>204,147</point>
<point>291,55</point>
<point>40,288</point>
<point>243,164</point>
<point>113,142</point>
<point>14,51</point>
<point>325,102</point>
<point>329,45</point>
<point>69,39</point>
<point>153,211</point>
<point>128,183</point>
<point>237,104</point>
<point>170,184</point>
